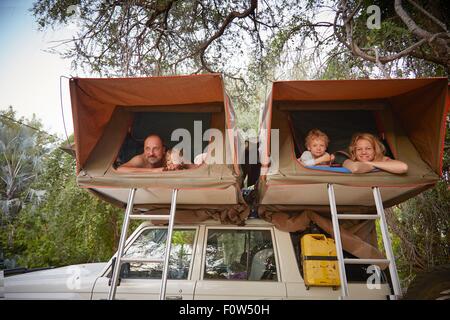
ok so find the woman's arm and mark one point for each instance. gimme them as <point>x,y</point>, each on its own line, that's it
<point>357,166</point>
<point>392,166</point>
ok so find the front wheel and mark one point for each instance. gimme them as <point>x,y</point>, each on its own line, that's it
<point>432,285</point>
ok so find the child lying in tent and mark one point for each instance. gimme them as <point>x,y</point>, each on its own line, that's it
<point>317,143</point>
<point>367,154</point>
<point>155,158</point>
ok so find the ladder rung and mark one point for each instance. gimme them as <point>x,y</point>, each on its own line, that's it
<point>149,216</point>
<point>358,216</point>
<point>366,261</point>
<point>155,260</point>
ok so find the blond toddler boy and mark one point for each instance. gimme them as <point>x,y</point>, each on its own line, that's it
<point>317,143</point>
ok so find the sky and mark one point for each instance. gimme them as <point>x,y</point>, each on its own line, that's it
<point>29,76</point>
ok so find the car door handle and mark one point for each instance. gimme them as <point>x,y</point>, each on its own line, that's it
<point>174,298</point>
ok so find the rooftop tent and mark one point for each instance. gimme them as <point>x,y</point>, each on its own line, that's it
<point>113,116</point>
<point>407,114</point>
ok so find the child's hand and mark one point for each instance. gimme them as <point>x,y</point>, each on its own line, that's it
<point>172,167</point>
<point>325,158</point>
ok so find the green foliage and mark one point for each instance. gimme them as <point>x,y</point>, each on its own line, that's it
<point>420,232</point>
<point>182,237</point>
<point>53,12</point>
<point>394,36</point>
<point>46,218</point>
<point>446,157</point>
<point>345,66</point>
<point>70,225</point>
<point>22,149</point>
<point>426,217</point>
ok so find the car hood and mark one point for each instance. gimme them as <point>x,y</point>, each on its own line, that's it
<point>62,272</point>
<point>65,280</point>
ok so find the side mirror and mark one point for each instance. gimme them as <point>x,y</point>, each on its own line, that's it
<point>123,273</point>
<point>124,270</point>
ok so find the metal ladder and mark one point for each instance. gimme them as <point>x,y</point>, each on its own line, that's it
<point>386,242</point>
<point>119,260</point>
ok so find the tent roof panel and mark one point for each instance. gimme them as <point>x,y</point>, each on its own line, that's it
<point>148,91</point>
<point>322,90</point>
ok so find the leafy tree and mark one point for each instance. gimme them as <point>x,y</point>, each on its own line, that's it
<point>22,153</point>
<point>138,37</point>
<point>420,231</point>
<point>23,147</point>
<point>406,30</point>
<point>69,225</point>
<point>421,226</point>
<point>46,219</point>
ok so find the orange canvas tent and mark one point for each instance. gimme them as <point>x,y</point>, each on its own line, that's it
<point>409,115</point>
<point>111,114</point>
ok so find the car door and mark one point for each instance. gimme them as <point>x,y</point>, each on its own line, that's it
<point>239,263</point>
<point>143,280</point>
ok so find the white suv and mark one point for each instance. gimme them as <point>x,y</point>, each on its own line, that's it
<point>208,260</point>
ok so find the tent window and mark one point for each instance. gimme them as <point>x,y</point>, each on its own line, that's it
<point>338,125</point>
<point>163,124</point>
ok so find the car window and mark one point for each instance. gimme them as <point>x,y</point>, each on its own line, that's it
<point>151,245</point>
<point>240,255</point>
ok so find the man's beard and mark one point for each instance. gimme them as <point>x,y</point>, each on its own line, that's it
<point>153,160</point>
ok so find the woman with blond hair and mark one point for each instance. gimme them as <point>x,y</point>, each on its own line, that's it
<point>367,153</point>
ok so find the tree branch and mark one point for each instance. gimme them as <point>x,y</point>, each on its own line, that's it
<point>412,26</point>
<point>228,20</point>
<point>423,35</point>
<point>429,15</point>
<point>352,14</point>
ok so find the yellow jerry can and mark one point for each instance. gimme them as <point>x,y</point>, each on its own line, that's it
<point>320,265</point>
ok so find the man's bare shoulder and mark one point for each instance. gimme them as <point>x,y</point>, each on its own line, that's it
<point>135,162</point>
